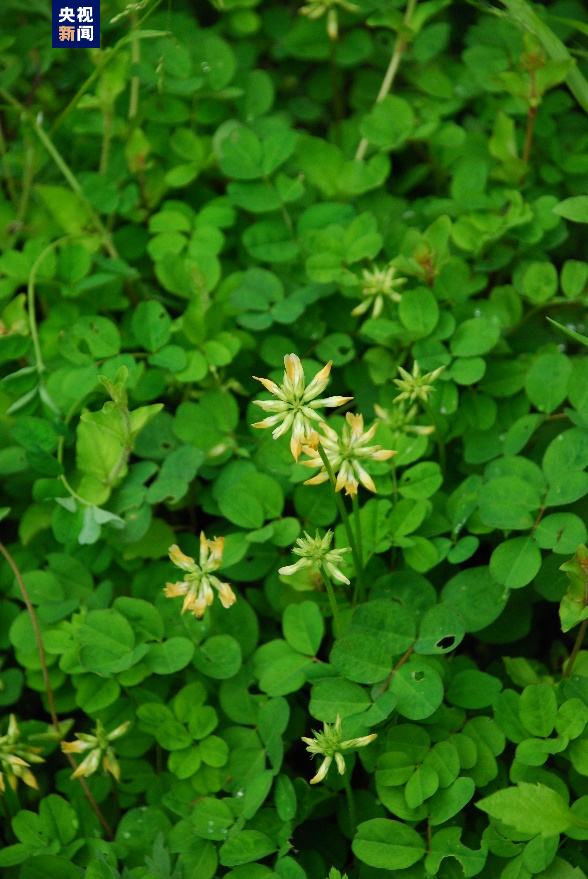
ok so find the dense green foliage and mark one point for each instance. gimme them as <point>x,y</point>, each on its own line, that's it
<point>217,188</point>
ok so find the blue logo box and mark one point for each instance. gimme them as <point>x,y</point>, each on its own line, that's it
<point>75,25</point>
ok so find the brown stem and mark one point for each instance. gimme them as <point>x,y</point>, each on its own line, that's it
<point>398,665</point>
<point>48,689</point>
<point>33,616</point>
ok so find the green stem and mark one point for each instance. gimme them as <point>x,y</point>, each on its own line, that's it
<point>10,182</point>
<point>65,170</point>
<point>31,302</point>
<point>576,650</point>
<point>523,14</point>
<point>135,82</point>
<point>335,90</point>
<point>438,435</point>
<point>350,804</point>
<point>343,514</point>
<point>358,594</point>
<point>108,56</point>
<point>106,140</point>
<point>75,186</point>
<point>333,602</point>
<point>399,50</point>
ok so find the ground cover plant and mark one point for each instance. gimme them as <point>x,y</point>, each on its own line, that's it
<point>294,442</point>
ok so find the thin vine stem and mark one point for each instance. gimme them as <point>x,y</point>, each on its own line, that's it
<point>388,81</point>
<point>344,517</point>
<point>48,688</point>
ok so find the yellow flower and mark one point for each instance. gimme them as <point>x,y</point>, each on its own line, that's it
<point>400,421</point>
<point>296,403</point>
<point>378,285</point>
<point>316,553</point>
<point>196,587</point>
<point>329,745</point>
<point>99,747</point>
<point>416,386</point>
<point>345,454</point>
<point>15,758</point>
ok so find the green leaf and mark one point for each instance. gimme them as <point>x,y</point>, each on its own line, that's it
<point>447,844</point>
<point>219,657</point>
<point>547,381</point>
<point>506,502</point>
<point>515,562</point>
<point>388,845</point>
<point>245,847</point>
<point>476,596</point>
<point>92,697</point>
<point>451,800</point>
<point>389,124</point>
<point>419,311</point>
<point>304,627</point>
<point>211,818</point>
<point>442,629</point>
<point>540,282</point>
<point>474,337</point>
<point>421,786</point>
<point>574,208</point>
<point>332,696</point>
<point>529,808</point>
<point>421,481</point>
<point>538,709</point>
<point>151,324</point>
<point>391,622</point>
<point>169,657</point>
<point>361,657</point>
<point>473,689</point>
<point>419,689</point>
<point>56,866</point>
<point>59,818</point>
<point>106,640</point>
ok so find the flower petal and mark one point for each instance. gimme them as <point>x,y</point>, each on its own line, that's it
<point>180,559</point>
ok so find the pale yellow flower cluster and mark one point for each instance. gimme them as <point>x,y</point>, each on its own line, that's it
<point>329,745</point>
<point>379,285</point>
<point>414,386</point>
<point>345,454</point>
<point>295,407</point>
<point>296,404</point>
<point>99,747</point>
<point>197,585</point>
<point>15,759</point>
<point>315,552</point>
